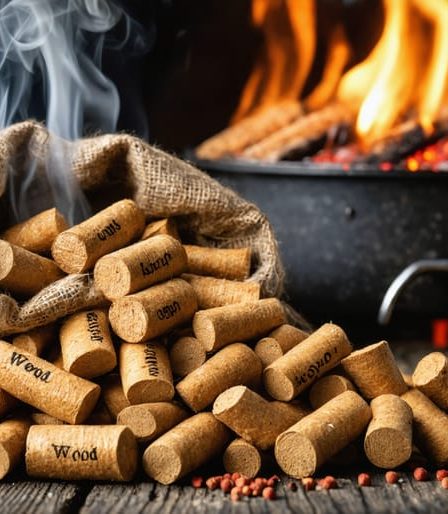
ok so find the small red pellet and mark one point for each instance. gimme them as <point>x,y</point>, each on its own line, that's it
<point>391,477</point>
<point>309,484</point>
<point>364,480</point>
<point>444,483</point>
<point>197,482</point>
<point>292,486</point>
<point>262,482</point>
<point>242,481</point>
<point>226,485</point>
<point>246,490</point>
<point>328,482</point>
<point>441,474</point>
<point>235,494</point>
<point>420,474</point>
<point>269,493</point>
<point>212,483</point>
<point>256,491</point>
<point>235,476</point>
<point>227,475</point>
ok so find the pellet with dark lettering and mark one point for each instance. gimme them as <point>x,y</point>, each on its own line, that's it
<point>86,344</point>
<point>139,266</point>
<point>46,387</point>
<point>154,311</point>
<point>146,372</point>
<point>82,452</point>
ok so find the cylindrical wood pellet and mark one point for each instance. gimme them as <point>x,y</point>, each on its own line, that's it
<point>327,388</point>
<point>37,233</point>
<point>46,387</point>
<point>242,457</point>
<point>388,441</point>
<point>374,371</point>
<point>37,340</point>
<point>407,377</point>
<point>166,226</point>
<point>186,355</point>
<point>154,311</point>
<point>13,434</point>
<point>216,292</point>
<point>150,420</point>
<point>252,417</point>
<point>278,342</point>
<point>230,263</point>
<point>146,373</point>
<point>430,426</point>
<point>233,365</point>
<point>185,447</point>
<point>215,328</point>
<point>77,249</point>
<point>113,395</point>
<point>25,273</point>
<point>86,344</point>
<point>139,266</point>
<point>305,446</point>
<point>299,368</point>
<point>82,452</point>
<point>431,378</point>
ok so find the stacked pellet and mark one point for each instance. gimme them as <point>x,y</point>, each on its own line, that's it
<point>181,362</point>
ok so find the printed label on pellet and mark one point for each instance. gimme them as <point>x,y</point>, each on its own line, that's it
<point>93,327</point>
<point>151,360</point>
<point>21,360</point>
<point>316,368</point>
<point>66,452</point>
<point>109,230</point>
<point>153,266</point>
<point>168,311</point>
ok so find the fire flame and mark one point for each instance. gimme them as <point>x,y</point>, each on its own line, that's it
<point>403,78</point>
<point>289,36</point>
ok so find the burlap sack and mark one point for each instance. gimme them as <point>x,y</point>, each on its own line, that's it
<point>162,185</point>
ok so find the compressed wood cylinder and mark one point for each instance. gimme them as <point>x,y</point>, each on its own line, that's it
<point>146,373</point>
<point>185,447</point>
<point>278,342</point>
<point>77,249</point>
<point>374,371</point>
<point>252,417</point>
<point>299,368</point>
<point>46,387</point>
<point>25,273</point>
<point>139,266</point>
<point>242,457</point>
<point>230,263</point>
<point>215,328</point>
<point>431,378</point>
<point>113,395</point>
<point>305,446</point>
<point>40,418</point>
<point>86,344</point>
<point>154,311</point>
<point>216,292</point>
<point>233,365</point>
<point>13,434</point>
<point>150,420</point>
<point>37,233</point>
<point>37,340</point>
<point>327,388</point>
<point>166,226</point>
<point>82,452</point>
<point>430,426</point>
<point>186,355</point>
<point>388,441</point>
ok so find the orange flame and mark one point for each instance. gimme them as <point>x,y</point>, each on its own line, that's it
<point>288,28</point>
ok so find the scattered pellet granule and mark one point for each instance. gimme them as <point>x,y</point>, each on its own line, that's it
<point>421,474</point>
<point>391,477</point>
<point>364,480</point>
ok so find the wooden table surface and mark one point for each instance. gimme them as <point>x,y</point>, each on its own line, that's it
<point>18,496</point>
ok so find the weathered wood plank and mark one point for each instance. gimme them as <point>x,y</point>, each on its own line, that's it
<point>29,497</point>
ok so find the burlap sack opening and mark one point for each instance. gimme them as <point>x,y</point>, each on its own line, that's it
<point>162,185</point>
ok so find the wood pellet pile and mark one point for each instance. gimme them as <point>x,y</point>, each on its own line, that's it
<point>175,361</point>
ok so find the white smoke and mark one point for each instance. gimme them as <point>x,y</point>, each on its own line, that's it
<point>51,55</point>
